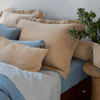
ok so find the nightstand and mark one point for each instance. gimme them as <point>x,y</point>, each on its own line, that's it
<point>94,72</point>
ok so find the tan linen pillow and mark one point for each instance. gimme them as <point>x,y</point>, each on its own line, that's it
<point>37,13</point>
<point>22,56</point>
<point>9,19</point>
<point>96,54</point>
<point>49,21</point>
<point>60,44</point>
<point>83,50</point>
<point>55,21</point>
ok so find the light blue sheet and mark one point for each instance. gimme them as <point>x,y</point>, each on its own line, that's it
<point>75,76</point>
<point>8,90</point>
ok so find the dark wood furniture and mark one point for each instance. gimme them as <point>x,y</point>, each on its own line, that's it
<point>77,89</point>
<point>93,71</point>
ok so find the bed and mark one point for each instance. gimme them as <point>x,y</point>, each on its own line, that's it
<point>82,84</point>
<point>76,82</point>
<point>70,88</point>
<point>71,83</point>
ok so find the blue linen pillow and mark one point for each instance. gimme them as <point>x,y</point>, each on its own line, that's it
<point>10,33</point>
<point>35,43</point>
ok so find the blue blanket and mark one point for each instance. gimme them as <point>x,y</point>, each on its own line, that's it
<point>8,90</point>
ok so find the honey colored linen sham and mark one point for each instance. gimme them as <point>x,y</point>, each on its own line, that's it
<point>36,13</point>
<point>49,21</point>
<point>22,56</point>
<point>84,51</point>
<point>60,44</point>
<point>9,18</point>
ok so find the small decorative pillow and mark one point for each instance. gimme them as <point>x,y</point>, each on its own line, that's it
<point>22,56</point>
<point>10,33</point>
<point>60,44</point>
<point>83,51</point>
<point>9,18</point>
<point>35,43</point>
<point>96,54</point>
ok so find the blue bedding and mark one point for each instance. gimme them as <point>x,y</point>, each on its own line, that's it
<point>8,90</point>
<point>75,76</point>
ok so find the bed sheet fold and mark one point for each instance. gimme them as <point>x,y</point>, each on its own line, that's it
<point>43,85</point>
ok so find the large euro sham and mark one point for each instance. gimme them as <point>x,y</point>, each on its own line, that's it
<point>9,18</point>
<point>22,56</point>
<point>35,13</point>
<point>10,33</point>
<point>49,21</point>
<point>60,44</point>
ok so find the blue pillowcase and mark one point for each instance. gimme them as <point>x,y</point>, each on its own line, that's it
<point>10,33</point>
<point>35,43</point>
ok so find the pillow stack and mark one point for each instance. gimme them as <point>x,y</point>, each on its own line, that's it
<point>9,17</point>
<point>22,56</point>
<point>84,48</point>
<point>16,52</point>
<point>60,45</point>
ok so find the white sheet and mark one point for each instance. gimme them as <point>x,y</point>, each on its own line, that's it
<point>44,85</point>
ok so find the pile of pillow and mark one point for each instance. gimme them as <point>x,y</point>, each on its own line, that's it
<point>60,47</point>
<point>9,17</point>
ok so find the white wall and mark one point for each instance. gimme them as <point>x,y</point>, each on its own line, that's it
<point>4,4</point>
<point>55,9</point>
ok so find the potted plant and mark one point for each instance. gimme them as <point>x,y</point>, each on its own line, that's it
<point>92,30</point>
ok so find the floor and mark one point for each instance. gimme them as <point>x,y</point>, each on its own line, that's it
<point>82,96</point>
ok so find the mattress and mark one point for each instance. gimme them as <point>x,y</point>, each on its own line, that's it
<point>75,76</point>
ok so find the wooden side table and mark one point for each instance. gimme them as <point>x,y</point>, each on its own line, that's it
<point>93,71</point>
